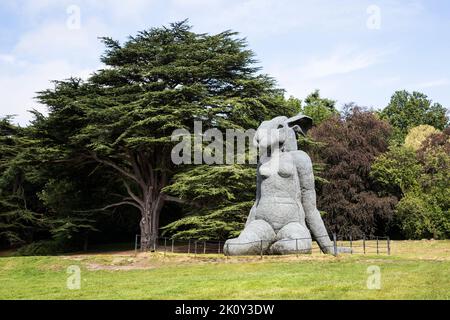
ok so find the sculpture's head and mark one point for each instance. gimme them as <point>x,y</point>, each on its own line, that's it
<point>281,132</point>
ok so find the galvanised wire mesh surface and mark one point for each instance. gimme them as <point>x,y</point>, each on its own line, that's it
<point>364,245</point>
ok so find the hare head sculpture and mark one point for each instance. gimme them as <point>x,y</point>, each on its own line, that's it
<point>281,132</point>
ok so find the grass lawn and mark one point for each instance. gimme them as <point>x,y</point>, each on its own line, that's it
<point>415,270</point>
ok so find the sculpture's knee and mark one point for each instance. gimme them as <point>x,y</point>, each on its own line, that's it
<point>257,236</point>
<point>292,238</point>
<point>293,230</point>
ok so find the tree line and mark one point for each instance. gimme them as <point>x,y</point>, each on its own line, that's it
<point>97,167</point>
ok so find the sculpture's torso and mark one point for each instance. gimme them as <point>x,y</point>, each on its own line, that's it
<point>278,204</point>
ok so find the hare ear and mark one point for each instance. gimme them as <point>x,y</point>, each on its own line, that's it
<point>300,123</point>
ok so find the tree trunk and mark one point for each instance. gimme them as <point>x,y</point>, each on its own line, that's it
<point>151,182</point>
<point>147,223</point>
<point>146,234</point>
<point>156,224</point>
<point>150,220</point>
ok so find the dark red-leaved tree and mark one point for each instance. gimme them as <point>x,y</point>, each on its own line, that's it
<point>350,200</point>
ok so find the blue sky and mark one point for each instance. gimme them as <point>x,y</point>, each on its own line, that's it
<point>352,50</point>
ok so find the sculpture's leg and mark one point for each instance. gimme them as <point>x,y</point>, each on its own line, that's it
<point>292,238</point>
<point>258,235</point>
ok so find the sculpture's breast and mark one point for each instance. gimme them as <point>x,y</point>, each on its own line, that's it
<point>282,166</point>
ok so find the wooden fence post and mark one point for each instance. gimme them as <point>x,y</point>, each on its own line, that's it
<point>351,245</point>
<point>389,245</point>
<point>364,243</point>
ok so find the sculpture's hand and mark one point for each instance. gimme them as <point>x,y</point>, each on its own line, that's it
<point>344,250</point>
<point>330,249</point>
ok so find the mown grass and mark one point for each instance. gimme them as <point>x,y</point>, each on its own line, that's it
<point>415,270</point>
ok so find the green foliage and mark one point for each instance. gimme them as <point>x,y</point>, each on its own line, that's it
<point>210,185</point>
<point>16,222</point>
<point>319,109</point>
<point>421,217</point>
<point>417,169</point>
<point>221,198</point>
<point>18,219</point>
<point>62,198</point>
<point>397,170</point>
<point>215,224</point>
<point>42,248</point>
<point>407,110</point>
<point>422,178</point>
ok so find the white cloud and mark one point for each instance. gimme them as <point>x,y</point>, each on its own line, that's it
<point>264,18</point>
<point>135,11</point>
<point>386,81</point>
<point>342,61</point>
<point>268,18</point>
<point>434,83</point>
<point>49,52</point>
<point>7,58</point>
<point>118,10</point>
<point>336,75</point>
<point>56,40</point>
<point>18,90</point>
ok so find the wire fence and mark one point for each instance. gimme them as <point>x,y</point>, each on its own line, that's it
<point>364,245</point>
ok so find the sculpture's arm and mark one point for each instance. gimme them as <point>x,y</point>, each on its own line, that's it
<point>308,198</point>
<point>251,216</point>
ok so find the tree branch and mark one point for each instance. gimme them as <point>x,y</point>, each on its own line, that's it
<point>131,203</point>
<point>132,195</point>
<point>120,204</point>
<point>116,167</point>
<point>136,169</point>
<point>178,200</point>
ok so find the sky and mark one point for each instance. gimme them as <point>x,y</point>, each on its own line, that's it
<point>352,50</point>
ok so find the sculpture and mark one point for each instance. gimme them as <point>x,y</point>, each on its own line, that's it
<point>284,214</point>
